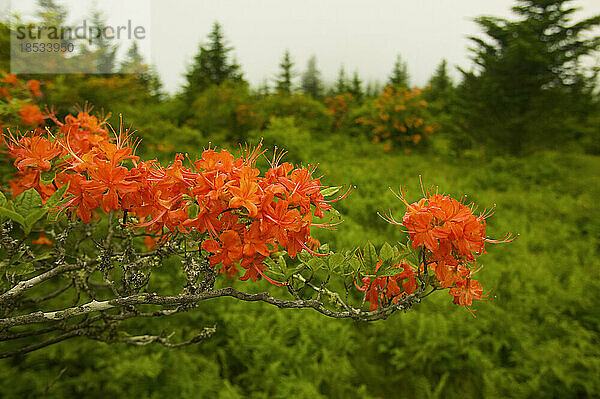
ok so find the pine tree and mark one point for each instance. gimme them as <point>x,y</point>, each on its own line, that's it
<point>211,65</point>
<point>105,53</point>
<point>373,89</point>
<point>311,79</point>
<point>356,87</point>
<point>440,84</point>
<point>263,89</point>
<point>284,79</point>
<point>134,61</point>
<point>529,88</point>
<point>341,84</point>
<point>399,76</point>
<point>51,13</point>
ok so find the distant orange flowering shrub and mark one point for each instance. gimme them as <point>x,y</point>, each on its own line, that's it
<point>17,102</point>
<point>399,118</point>
<point>338,107</point>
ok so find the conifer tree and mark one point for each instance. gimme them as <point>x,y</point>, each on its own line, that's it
<point>399,76</point>
<point>51,13</point>
<point>311,79</point>
<point>341,84</point>
<point>264,89</point>
<point>440,84</point>
<point>373,88</point>
<point>286,74</point>
<point>104,51</point>
<point>529,89</point>
<point>134,61</point>
<point>356,87</point>
<point>211,65</point>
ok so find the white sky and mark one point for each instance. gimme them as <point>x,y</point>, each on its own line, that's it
<point>362,35</point>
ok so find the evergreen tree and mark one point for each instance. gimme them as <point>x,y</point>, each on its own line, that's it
<point>264,89</point>
<point>54,15</point>
<point>51,13</point>
<point>356,87</point>
<point>529,89</point>
<point>373,89</point>
<point>311,79</point>
<point>440,84</point>
<point>133,62</point>
<point>341,84</point>
<point>211,65</point>
<point>284,79</point>
<point>399,76</point>
<point>105,53</point>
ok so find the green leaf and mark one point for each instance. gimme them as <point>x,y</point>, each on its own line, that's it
<point>324,248</point>
<point>11,214</point>
<point>388,270</point>
<point>22,269</point>
<point>336,260</point>
<point>15,258</point>
<point>33,217</point>
<point>282,264</point>
<point>352,265</point>
<point>270,263</point>
<point>44,256</point>
<point>387,252</point>
<point>329,191</point>
<point>193,210</point>
<point>27,201</point>
<point>47,177</point>
<point>57,197</point>
<point>370,256</point>
<point>276,269</point>
<point>304,256</point>
<point>3,200</point>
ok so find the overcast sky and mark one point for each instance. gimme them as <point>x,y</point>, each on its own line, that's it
<point>362,35</point>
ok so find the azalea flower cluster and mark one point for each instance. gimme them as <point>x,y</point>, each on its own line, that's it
<point>380,291</point>
<point>337,106</point>
<point>244,217</point>
<point>449,234</point>
<point>18,97</point>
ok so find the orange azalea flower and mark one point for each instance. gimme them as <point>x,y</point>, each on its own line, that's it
<point>31,115</point>
<point>112,180</point>
<point>245,196</point>
<point>385,289</point>
<point>11,79</point>
<point>34,86</point>
<point>467,290</point>
<point>227,250</point>
<point>36,151</point>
